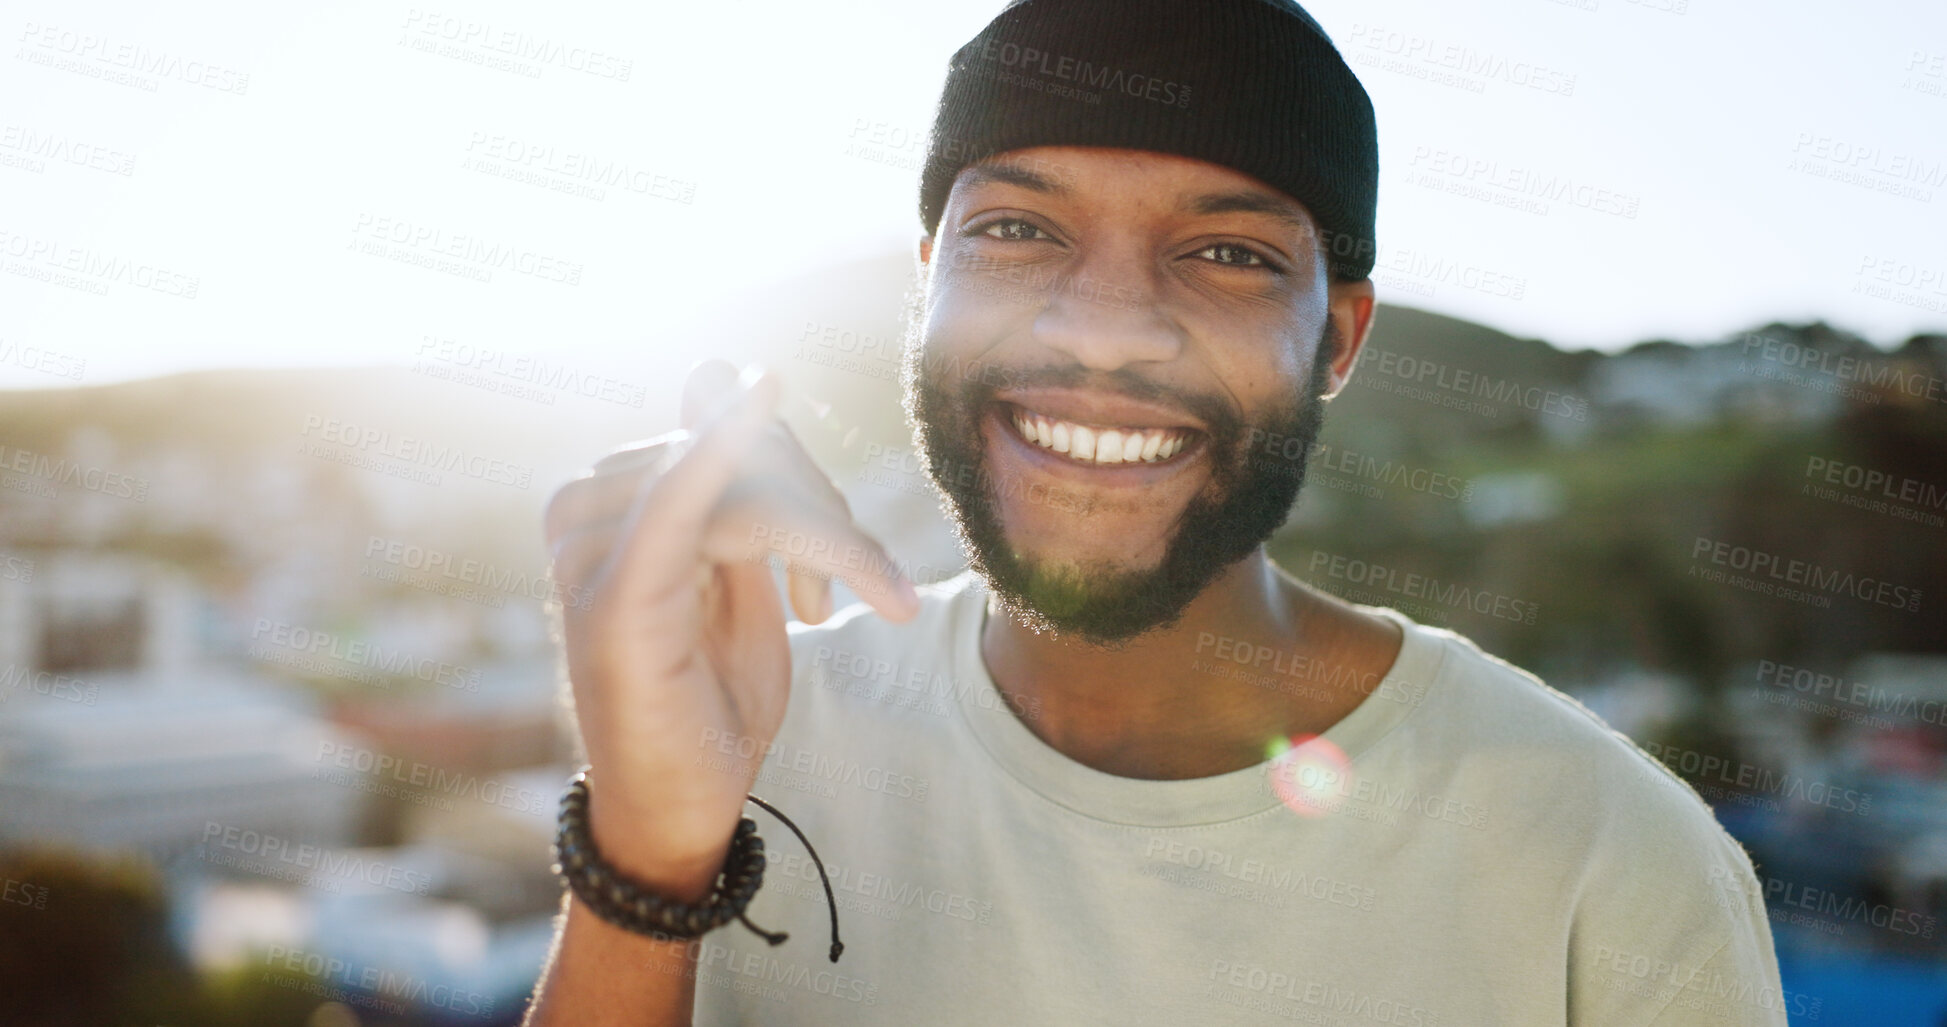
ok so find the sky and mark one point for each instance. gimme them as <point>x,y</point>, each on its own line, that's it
<point>258,185</point>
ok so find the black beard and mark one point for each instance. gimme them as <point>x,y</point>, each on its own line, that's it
<point>1256,471</point>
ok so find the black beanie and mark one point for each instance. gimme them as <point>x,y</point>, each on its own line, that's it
<point>1253,85</point>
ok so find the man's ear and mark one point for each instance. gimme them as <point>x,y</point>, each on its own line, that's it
<point>926,248</point>
<point>1351,307</point>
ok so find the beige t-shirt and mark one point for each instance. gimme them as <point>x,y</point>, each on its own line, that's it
<point>1488,853</point>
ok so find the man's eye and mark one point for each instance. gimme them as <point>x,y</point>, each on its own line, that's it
<point>1232,254</point>
<point>1013,229</point>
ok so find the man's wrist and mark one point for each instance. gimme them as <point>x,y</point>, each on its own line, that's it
<point>684,874</point>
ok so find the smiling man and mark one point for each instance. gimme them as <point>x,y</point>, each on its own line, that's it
<point>1125,770</point>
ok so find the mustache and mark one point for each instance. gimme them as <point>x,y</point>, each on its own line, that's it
<point>1215,411</point>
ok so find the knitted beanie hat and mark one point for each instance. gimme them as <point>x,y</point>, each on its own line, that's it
<point>1253,85</point>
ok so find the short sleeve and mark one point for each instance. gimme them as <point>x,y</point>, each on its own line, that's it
<point>1672,931</point>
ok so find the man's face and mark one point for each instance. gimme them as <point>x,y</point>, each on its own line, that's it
<point>1114,376</point>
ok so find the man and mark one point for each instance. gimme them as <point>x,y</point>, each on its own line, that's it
<point>1126,770</point>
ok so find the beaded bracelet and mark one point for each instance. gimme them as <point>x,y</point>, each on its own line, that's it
<point>633,907</point>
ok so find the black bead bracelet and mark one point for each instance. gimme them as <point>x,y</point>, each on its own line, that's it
<point>633,907</point>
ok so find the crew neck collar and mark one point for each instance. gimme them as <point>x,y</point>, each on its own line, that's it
<point>1181,803</point>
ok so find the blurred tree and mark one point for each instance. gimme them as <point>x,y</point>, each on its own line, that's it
<point>84,940</point>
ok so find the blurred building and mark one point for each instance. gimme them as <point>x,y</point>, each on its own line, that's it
<point>117,730</point>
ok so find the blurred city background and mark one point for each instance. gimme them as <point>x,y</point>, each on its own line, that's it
<point>278,702</point>
<point>280,733</point>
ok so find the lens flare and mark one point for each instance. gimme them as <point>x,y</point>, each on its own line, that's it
<point>1310,774</point>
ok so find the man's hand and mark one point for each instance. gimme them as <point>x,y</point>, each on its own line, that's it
<point>683,638</point>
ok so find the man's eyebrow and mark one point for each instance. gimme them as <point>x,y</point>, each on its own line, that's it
<point>1250,202</point>
<point>1012,174</point>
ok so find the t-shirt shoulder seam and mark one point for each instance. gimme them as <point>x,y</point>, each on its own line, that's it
<point>1574,708</point>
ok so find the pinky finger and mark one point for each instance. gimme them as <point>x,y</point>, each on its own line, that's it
<point>811,596</point>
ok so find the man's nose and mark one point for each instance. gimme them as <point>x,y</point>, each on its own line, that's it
<point>1104,314</point>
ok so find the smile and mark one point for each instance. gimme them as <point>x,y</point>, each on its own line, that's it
<point>1096,445</point>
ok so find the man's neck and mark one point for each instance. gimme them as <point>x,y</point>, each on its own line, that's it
<point>1256,657</point>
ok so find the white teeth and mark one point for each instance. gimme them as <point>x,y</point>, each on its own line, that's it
<point>1100,446</point>
<point>1108,447</point>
